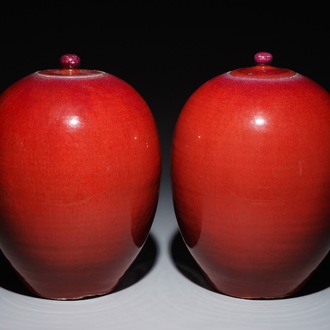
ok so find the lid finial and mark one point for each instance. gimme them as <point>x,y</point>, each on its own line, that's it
<point>70,61</point>
<point>263,58</point>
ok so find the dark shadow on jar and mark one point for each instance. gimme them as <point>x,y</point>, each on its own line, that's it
<point>318,281</point>
<point>188,267</point>
<point>186,264</point>
<point>142,265</point>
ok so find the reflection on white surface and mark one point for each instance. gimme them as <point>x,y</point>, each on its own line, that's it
<point>165,299</point>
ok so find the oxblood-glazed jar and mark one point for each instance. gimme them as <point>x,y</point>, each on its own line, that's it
<point>80,167</point>
<point>250,170</point>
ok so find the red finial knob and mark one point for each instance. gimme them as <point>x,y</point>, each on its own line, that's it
<point>70,61</point>
<point>263,58</point>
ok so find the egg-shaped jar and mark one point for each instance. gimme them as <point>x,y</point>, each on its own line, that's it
<point>250,173</point>
<point>80,167</point>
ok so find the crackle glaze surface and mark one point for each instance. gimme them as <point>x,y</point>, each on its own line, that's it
<point>80,167</point>
<point>250,169</point>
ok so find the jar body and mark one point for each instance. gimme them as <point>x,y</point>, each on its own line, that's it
<point>79,177</point>
<point>250,170</point>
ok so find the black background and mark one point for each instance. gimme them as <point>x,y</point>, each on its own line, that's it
<point>164,49</point>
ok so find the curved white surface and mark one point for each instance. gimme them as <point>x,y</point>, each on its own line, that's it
<point>165,298</point>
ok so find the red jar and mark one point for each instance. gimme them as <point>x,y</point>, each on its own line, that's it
<point>250,170</point>
<point>80,168</point>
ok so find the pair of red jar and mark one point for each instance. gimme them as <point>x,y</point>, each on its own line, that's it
<point>80,167</point>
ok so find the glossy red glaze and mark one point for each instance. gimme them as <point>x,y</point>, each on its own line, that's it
<point>250,169</point>
<point>80,168</point>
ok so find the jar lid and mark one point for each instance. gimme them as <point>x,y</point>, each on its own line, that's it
<point>70,68</point>
<point>263,69</point>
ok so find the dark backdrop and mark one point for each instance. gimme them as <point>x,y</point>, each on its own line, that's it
<point>164,49</point>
